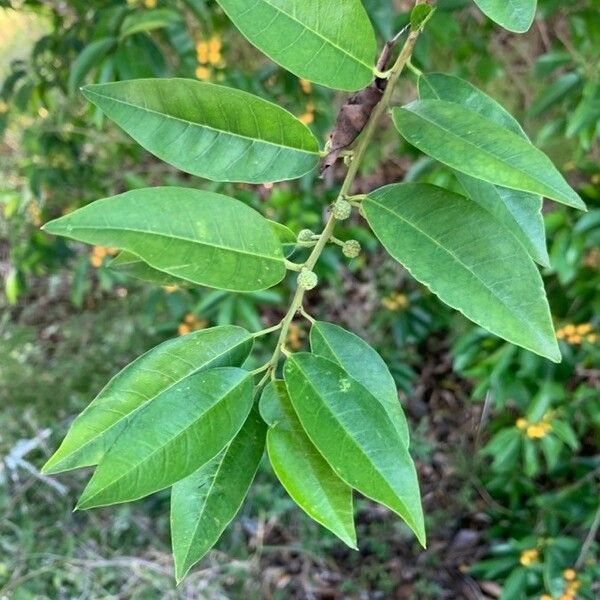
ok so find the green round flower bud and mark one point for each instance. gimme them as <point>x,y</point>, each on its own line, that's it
<point>351,249</point>
<point>305,235</point>
<point>342,209</point>
<point>307,280</point>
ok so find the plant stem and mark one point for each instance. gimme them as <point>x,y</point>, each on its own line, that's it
<point>357,156</point>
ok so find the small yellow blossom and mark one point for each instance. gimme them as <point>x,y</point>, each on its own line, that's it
<point>202,52</point>
<point>150,3</point>
<point>306,86</point>
<point>528,557</point>
<point>545,597</point>
<point>592,338</point>
<point>522,423</point>
<point>191,323</point>
<point>537,431</point>
<point>214,44</point>
<point>573,586</point>
<point>569,574</point>
<point>395,302</point>
<point>309,116</point>
<point>170,288</point>
<point>203,73</point>
<point>99,253</point>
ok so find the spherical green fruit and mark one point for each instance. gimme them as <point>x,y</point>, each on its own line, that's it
<point>342,209</point>
<point>351,249</point>
<point>307,280</point>
<point>305,235</point>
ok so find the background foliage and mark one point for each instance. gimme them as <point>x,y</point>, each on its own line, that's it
<point>518,525</point>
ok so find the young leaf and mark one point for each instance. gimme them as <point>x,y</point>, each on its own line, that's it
<point>354,434</point>
<point>514,15</point>
<point>453,246</point>
<point>519,212</point>
<point>148,20</point>
<point>90,57</point>
<point>476,146</point>
<point>209,130</point>
<point>180,430</point>
<point>303,472</point>
<point>139,384</point>
<point>326,41</point>
<point>202,237</point>
<point>205,502</point>
<point>363,364</point>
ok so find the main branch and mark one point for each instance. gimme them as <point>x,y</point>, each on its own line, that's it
<point>356,159</point>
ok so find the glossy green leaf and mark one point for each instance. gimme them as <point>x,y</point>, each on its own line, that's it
<point>476,146</point>
<point>453,246</point>
<point>514,15</point>
<point>354,434</point>
<point>202,237</point>
<point>205,502</point>
<point>89,58</point>
<point>140,383</point>
<point>303,472</point>
<point>326,41</point>
<point>209,130</point>
<point>363,364</point>
<point>286,236</point>
<point>141,21</point>
<point>519,212</point>
<point>179,431</point>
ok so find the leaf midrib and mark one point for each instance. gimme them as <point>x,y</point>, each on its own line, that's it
<point>462,264</point>
<point>202,125</point>
<point>170,237</point>
<point>204,367</point>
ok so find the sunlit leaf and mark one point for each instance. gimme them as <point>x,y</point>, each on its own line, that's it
<point>205,238</point>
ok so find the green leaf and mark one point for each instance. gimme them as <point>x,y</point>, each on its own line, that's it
<point>363,364</point>
<point>419,15</point>
<point>140,383</point>
<point>453,246</point>
<point>439,86</point>
<point>301,469</point>
<point>355,436</point>
<point>133,266</point>
<point>519,212</point>
<point>476,146</point>
<point>326,41</point>
<point>515,585</point>
<point>89,58</point>
<point>141,21</point>
<point>286,236</point>
<point>514,15</point>
<point>202,237</point>
<point>179,431</point>
<point>209,130</point>
<point>204,503</point>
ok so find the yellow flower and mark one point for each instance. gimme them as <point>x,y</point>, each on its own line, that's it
<point>569,574</point>
<point>592,338</point>
<point>309,116</point>
<point>170,288</point>
<point>569,329</point>
<point>214,44</point>
<point>183,329</point>
<point>584,328</point>
<point>202,52</point>
<point>522,423</point>
<point>150,3</point>
<point>545,597</point>
<point>306,86</point>
<point>294,340</point>
<point>203,73</point>
<point>537,431</point>
<point>528,557</point>
<point>191,323</point>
